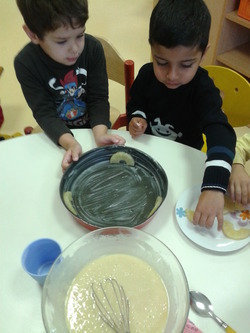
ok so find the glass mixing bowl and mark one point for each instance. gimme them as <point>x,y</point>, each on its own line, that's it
<point>107,241</point>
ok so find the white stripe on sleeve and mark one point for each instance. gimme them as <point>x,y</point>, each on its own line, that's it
<point>219,163</point>
<point>140,113</point>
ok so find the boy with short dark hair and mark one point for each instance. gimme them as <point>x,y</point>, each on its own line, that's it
<point>63,75</point>
<point>174,98</point>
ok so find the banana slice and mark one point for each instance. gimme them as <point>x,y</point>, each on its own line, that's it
<point>158,201</point>
<point>122,156</point>
<point>232,233</point>
<point>230,206</point>
<point>67,198</point>
<point>190,215</point>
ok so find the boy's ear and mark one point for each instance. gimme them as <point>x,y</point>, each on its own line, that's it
<point>32,36</point>
<point>207,48</point>
<point>205,52</point>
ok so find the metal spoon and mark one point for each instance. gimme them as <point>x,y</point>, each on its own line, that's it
<point>203,307</point>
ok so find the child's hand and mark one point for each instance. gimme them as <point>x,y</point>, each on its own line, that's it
<point>210,205</point>
<point>110,139</point>
<point>137,126</point>
<point>72,147</point>
<point>239,184</point>
<point>102,138</point>
<point>71,155</point>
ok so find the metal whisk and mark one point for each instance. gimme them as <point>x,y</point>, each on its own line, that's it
<point>113,305</point>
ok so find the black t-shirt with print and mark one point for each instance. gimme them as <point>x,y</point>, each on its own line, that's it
<point>63,97</point>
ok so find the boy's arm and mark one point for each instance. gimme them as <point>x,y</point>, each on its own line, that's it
<point>239,182</point>
<point>221,141</point>
<point>97,92</point>
<point>30,74</point>
<point>220,135</point>
<point>97,95</point>
<point>102,138</point>
<point>242,150</point>
<point>73,150</point>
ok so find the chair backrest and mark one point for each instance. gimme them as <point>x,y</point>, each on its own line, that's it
<point>235,93</point>
<point>120,71</point>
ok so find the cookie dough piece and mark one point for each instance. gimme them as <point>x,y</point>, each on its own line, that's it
<point>121,156</point>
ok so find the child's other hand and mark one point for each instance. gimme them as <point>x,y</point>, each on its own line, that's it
<point>71,155</point>
<point>210,205</point>
<point>239,185</point>
<point>72,147</point>
<point>137,126</point>
<point>110,139</point>
<point>102,138</point>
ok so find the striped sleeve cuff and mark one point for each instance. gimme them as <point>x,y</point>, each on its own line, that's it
<point>139,113</point>
<point>216,175</point>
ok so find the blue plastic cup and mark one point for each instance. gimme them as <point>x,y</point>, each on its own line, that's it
<point>39,256</point>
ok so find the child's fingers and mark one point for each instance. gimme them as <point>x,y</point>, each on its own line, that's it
<point>220,221</point>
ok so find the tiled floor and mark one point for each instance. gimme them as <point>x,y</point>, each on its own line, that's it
<point>123,23</point>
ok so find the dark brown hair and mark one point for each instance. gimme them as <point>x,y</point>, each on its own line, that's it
<point>42,16</point>
<point>180,22</point>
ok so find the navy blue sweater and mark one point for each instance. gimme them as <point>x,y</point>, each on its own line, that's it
<point>183,114</point>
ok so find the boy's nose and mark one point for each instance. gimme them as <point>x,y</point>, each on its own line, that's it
<point>171,73</point>
<point>74,47</point>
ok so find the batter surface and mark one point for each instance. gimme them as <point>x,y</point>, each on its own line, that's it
<point>144,288</point>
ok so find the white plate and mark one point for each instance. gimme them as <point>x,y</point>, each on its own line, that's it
<point>210,239</point>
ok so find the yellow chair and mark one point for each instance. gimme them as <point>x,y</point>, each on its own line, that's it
<point>235,93</point>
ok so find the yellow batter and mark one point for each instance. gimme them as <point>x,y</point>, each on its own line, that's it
<point>144,288</point>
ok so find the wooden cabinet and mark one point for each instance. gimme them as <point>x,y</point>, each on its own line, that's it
<point>229,37</point>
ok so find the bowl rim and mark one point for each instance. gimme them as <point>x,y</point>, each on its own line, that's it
<point>118,230</point>
<point>113,148</point>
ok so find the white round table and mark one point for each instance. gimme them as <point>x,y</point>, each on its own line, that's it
<point>30,208</point>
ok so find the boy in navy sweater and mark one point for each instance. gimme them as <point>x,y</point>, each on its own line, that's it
<point>174,98</point>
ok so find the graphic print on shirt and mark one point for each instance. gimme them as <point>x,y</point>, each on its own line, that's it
<point>165,131</point>
<point>71,106</point>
